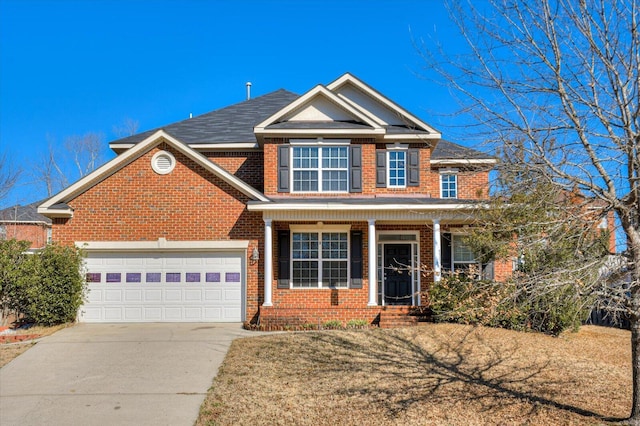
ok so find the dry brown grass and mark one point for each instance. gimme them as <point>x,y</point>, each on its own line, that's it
<point>10,351</point>
<point>438,374</point>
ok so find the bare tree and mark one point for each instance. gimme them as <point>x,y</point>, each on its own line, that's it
<point>86,151</point>
<point>8,177</point>
<point>56,167</point>
<point>555,85</point>
<point>128,127</point>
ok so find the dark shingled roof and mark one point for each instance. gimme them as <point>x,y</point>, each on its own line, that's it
<point>23,214</point>
<point>230,124</point>
<point>446,150</point>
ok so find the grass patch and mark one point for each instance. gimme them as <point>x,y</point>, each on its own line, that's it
<point>9,351</point>
<point>437,374</point>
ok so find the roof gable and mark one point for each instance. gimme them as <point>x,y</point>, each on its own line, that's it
<point>55,206</point>
<point>385,111</point>
<point>317,108</point>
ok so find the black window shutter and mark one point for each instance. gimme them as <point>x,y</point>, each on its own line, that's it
<point>283,258</point>
<point>445,252</point>
<point>381,168</point>
<point>356,259</point>
<point>355,184</point>
<point>414,168</point>
<point>283,168</point>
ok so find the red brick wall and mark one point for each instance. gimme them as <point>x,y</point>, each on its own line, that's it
<point>471,184</point>
<point>35,233</point>
<point>246,165</point>
<point>136,204</point>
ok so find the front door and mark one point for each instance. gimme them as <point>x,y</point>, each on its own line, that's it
<point>397,274</point>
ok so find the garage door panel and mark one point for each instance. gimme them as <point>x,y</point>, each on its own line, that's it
<point>157,287</point>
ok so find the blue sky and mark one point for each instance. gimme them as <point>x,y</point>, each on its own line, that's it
<point>72,67</point>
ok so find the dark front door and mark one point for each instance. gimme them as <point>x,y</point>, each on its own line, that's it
<point>397,277</point>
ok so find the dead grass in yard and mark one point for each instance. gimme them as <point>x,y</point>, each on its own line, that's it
<point>437,374</point>
<point>9,351</point>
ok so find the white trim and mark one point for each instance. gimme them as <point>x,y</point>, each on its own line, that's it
<point>373,261</point>
<point>347,78</point>
<point>320,131</point>
<point>319,141</point>
<point>449,173</point>
<point>268,262</point>
<point>415,260</point>
<point>336,206</point>
<point>163,245</point>
<point>396,149</point>
<point>437,251</point>
<point>200,146</point>
<point>319,90</point>
<point>319,227</point>
<point>451,162</point>
<point>412,136</point>
<point>156,167</point>
<point>397,146</point>
<point>134,153</point>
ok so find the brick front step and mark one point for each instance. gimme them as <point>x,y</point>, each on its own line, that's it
<point>401,316</point>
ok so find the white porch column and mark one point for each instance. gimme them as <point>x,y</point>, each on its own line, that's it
<point>268,262</point>
<point>373,265</point>
<point>437,261</point>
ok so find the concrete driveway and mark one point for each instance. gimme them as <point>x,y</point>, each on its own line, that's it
<point>115,374</point>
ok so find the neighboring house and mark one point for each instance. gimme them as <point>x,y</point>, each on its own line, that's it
<point>282,209</point>
<point>25,223</point>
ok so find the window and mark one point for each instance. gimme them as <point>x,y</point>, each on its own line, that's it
<point>462,255</point>
<point>397,169</point>
<point>320,259</point>
<point>320,169</point>
<point>449,185</point>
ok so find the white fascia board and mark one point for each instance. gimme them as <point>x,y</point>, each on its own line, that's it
<point>132,154</point>
<point>321,132</point>
<point>332,206</point>
<point>319,90</point>
<point>163,245</point>
<point>348,78</point>
<point>476,162</point>
<point>121,145</point>
<point>412,136</point>
<point>55,213</point>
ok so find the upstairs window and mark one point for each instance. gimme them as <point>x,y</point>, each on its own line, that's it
<point>397,168</point>
<point>449,185</point>
<point>320,169</point>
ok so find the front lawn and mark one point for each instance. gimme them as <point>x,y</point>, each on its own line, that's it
<point>437,374</point>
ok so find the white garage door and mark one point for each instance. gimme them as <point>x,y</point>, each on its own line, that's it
<point>163,287</point>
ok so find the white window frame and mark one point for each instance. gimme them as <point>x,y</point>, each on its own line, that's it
<point>395,148</point>
<point>449,172</point>
<point>319,144</point>
<point>321,229</point>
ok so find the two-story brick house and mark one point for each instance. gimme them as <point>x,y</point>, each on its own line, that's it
<point>280,209</point>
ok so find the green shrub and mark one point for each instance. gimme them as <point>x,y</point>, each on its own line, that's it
<point>357,323</point>
<point>332,324</point>
<point>57,288</point>
<point>46,287</point>
<point>12,268</point>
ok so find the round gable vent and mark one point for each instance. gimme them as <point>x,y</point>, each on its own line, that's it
<point>163,162</point>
